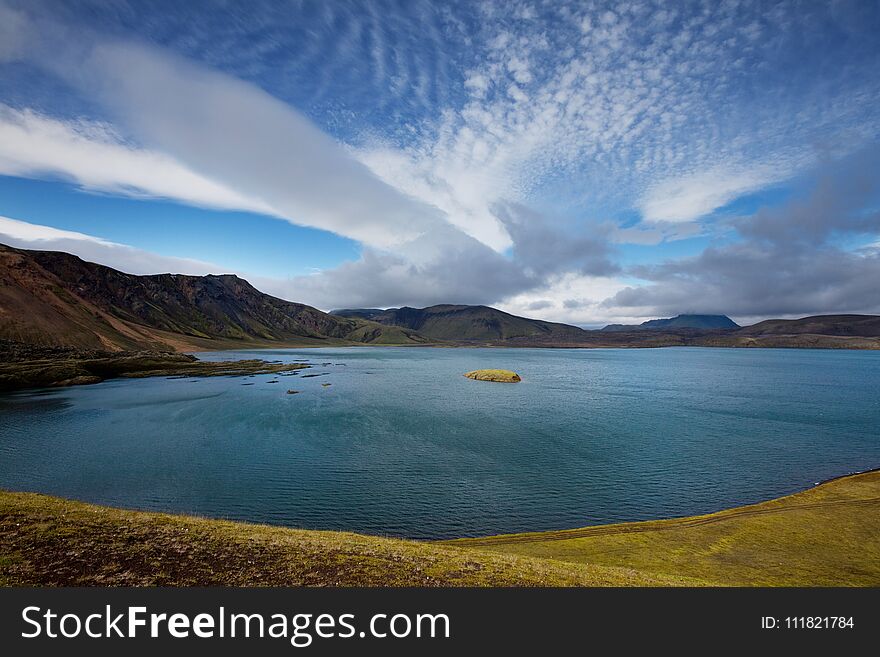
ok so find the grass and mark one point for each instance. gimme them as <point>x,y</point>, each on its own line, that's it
<point>825,536</point>
<point>501,376</point>
<point>47,541</point>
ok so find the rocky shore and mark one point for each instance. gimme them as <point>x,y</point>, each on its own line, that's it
<point>25,366</point>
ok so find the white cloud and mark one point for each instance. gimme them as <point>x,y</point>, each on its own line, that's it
<point>619,110</point>
<point>229,131</point>
<point>692,196</point>
<point>25,235</point>
<point>464,192</point>
<point>236,133</point>
<point>572,299</point>
<point>92,155</point>
<point>643,109</point>
<point>28,232</point>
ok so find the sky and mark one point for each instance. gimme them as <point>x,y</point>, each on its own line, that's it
<point>583,162</point>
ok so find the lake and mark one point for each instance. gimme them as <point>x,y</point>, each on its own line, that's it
<point>402,444</point>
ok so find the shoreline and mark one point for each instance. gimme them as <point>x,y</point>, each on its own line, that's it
<point>440,345</point>
<point>843,476</point>
<point>826,535</point>
<point>627,525</point>
<point>455,540</point>
<point>65,370</point>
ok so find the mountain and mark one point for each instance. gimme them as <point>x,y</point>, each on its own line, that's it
<point>840,325</point>
<point>678,322</point>
<point>358,313</point>
<point>54,298</point>
<point>470,324</point>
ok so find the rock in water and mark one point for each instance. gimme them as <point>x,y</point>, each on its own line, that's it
<point>500,376</point>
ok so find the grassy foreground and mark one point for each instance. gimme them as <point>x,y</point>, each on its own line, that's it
<point>50,541</point>
<point>828,535</point>
<point>825,536</point>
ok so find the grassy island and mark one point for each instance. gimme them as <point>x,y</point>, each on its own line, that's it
<point>499,376</point>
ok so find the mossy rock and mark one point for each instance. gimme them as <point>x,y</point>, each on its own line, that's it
<point>499,376</point>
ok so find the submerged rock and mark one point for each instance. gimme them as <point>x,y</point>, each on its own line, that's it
<point>293,392</point>
<point>500,376</point>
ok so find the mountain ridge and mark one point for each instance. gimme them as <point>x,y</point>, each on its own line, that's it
<point>51,297</point>
<point>469,323</point>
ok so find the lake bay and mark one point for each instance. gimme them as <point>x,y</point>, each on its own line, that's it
<point>402,444</point>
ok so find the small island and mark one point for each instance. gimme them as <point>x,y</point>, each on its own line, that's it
<point>499,376</point>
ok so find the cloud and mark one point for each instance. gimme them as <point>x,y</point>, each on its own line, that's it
<point>748,281</point>
<point>506,120</point>
<point>449,266</point>
<point>464,193</point>
<point>653,233</point>
<point>542,249</point>
<point>788,260</point>
<point>95,157</point>
<point>571,298</point>
<point>674,113</point>
<point>14,34</point>
<point>446,270</point>
<point>843,200</point>
<point>24,235</point>
<point>381,279</point>
<point>695,195</point>
<point>231,132</point>
<point>245,138</point>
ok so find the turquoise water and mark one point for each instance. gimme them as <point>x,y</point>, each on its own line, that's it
<point>402,444</point>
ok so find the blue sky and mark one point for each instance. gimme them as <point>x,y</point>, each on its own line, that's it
<point>585,162</point>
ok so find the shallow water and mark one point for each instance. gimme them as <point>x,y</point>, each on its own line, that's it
<point>401,444</point>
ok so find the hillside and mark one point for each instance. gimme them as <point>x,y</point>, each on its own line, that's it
<point>840,325</point>
<point>469,324</point>
<point>678,322</point>
<point>54,298</point>
<point>826,536</point>
<point>358,313</point>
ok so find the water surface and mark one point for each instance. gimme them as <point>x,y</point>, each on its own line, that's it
<point>402,444</point>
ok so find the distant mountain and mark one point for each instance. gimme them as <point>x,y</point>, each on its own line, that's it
<point>840,325</point>
<point>54,298</point>
<point>470,324</point>
<point>678,322</point>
